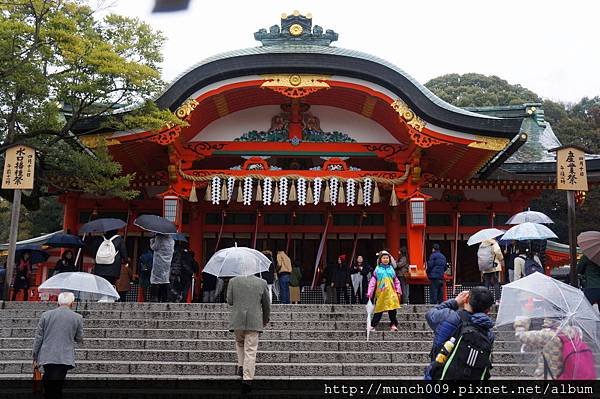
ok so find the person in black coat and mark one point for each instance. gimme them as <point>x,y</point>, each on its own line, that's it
<point>341,279</point>
<point>65,264</point>
<point>183,267</point>
<point>110,272</point>
<point>360,266</point>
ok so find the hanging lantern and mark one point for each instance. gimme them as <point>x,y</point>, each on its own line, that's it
<point>416,206</point>
<point>172,207</point>
<point>193,196</point>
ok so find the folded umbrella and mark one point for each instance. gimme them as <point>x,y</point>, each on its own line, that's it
<point>87,286</point>
<point>528,231</point>
<point>102,225</point>
<point>589,242</point>
<point>62,240</point>
<point>156,224</point>
<point>484,235</point>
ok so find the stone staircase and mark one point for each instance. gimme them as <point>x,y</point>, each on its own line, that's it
<point>191,341</point>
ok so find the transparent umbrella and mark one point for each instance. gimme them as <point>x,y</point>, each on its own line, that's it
<point>548,315</point>
<point>237,261</point>
<point>528,231</point>
<point>369,307</point>
<point>484,235</point>
<point>86,286</point>
<point>529,216</point>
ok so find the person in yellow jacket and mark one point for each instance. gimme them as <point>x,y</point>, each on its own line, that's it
<point>284,271</point>
<point>384,287</point>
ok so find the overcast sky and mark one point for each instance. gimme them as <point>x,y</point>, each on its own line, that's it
<point>551,47</point>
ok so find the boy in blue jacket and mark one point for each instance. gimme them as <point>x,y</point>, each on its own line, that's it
<point>444,319</point>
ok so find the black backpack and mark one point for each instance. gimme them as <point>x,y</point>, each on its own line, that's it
<point>471,357</point>
<point>531,266</point>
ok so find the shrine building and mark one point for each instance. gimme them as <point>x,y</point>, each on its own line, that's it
<point>302,146</point>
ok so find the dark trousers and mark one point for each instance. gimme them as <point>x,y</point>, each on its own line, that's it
<point>592,295</point>
<point>54,379</point>
<point>16,292</point>
<point>159,292</point>
<point>391,314</point>
<point>437,293</point>
<point>338,292</point>
<point>491,280</point>
<point>122,295</point>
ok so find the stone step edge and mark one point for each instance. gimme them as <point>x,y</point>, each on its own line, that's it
<point>221,340</point>
<point>233,351</point>
<point>73,376</point>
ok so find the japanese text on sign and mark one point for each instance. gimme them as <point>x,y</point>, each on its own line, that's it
<point>571,172</point>
<point>19,167</point>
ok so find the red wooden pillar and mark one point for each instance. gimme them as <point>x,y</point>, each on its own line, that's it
<point>70,215</point>
<point>392,227</point>
<point>195,229</point>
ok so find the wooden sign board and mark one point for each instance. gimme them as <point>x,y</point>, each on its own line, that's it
<point>19,167</point>
<point>571,173</point>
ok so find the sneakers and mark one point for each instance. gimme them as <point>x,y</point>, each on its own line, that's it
<point>393,328</point>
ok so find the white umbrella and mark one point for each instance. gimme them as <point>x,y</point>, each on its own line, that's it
<point>484,235</point>
<point>87,286</point>
<point>529,216</point>
<point>370,308</point>
<point>528,231</point>
<point>237,261</point>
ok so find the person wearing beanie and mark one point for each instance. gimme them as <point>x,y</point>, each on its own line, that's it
<point>384,288</point>
<point>341,280</point>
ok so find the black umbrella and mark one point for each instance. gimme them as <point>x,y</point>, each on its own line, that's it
<point>62,240</point>
<point>155,224</point>
<point>36,254</point>
<point>102,225</point>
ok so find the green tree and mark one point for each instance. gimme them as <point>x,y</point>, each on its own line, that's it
<point>575,124</point>
<point>476,90</point>
<point>61,67</point>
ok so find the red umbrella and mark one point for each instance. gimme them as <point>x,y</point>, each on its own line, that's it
<point>589,242</point>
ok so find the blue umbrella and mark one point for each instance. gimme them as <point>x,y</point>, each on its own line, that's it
<point>36,254</point>
<point>62,240</point>
<point>102,225</point>
<point>155,224</point>
<point>180,237</point>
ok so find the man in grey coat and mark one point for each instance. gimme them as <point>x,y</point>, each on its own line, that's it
<point>249,296</point>
<point>54,343</point>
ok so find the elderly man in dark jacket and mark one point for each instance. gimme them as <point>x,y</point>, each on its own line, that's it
<point>436,266</point>
<point>249,297</point>
<point>444,319</point>
<point>54,343</point>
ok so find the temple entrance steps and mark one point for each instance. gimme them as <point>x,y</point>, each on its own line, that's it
<point>187,341</point>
